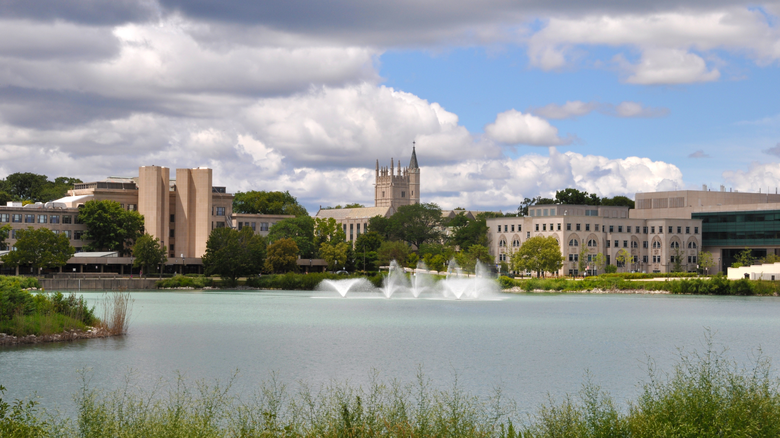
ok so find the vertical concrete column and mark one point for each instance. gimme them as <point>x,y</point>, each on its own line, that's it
<point>154,200</point>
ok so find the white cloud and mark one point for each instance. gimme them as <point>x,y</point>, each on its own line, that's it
<point>514,127</point>
<point>699,154</point>
<point>670,66</point>
<point>573,109</point>
<point>764,176</point>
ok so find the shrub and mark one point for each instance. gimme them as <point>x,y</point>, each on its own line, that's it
<point>506,282</point>
<point>185,281</point>
<point>610,269</point>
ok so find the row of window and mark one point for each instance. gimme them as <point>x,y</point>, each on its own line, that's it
<point>634,244</point>
<point>73,235</point>
<point>629,228</point>
<point>33,218</point>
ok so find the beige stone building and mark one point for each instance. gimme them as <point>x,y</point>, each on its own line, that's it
<point>354,221</point>
<point>585,231</point>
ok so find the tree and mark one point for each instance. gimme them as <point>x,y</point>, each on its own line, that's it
<point>39,248</point>
<point>370,241</point>
<point>706,261</point>
<point>434,262</point>
<point>575,197</point>
<point>476,253</point>
<point>416,223</point>
<point>583,260</point>
<point>381,226</point>
<point>355,205</point>
<point>282,256</point>
<point>232,253</point>
<point>254,202</point>
<point>392,250</point>
<point>599,261</point>
<point>769,259</point>
<point>677,265</point>
<point>149,253</point>
<point>610,269</point>
<point>619,201</point>
<point>26,186</point>
<point>110,227</point>
<point>539,254</point>
<point>328,230</point>
<point>623,258</point>
<point>334,254</point>
<point>744,258</point>
<point>301,230</point>
<point>474,232</point>
<point>4,231</point>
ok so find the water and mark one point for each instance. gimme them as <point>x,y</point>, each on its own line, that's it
<point>530,345</point>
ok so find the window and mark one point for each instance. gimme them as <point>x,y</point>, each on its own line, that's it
<point>220,224</point>
<point>513,228</point>
<point>403,194</point>
<point>544,227</point>
<point>625,244</point>
<point>132,207</point>
<point>608,243</point>
<point>42,218</point>
<point>592,243</point>
<point>587,227</point>
<point>670,229</point>
<point>220,211</point>
<point>67,233</point>
<point>693,258</point>
<point>4,217</point>
<point>644,244</point>
<point>505,228</point>
<point>679,230</point>
<point>568,227</point>
<point>691,244</point>
<point>578,227</point>
<point>608,258</point>
<point>170,232</point>
<point>173,218</point>
<point>515,243</point>
<point>661,229</point>
<point>644,230</point>
<point>671,259</point>
<point>171,249</point>
<point>687,230</point>
<point>574,242</point>
<point>537,227</point>
<point>656,244</point>
<point>652,230</point>
<point>527,234</point>
<point>611,228</point>
<point>545,212</point>
<point>675,244</point>
<point>617,244</point>
<point>597,227</point>
<point>644,259</point>
<point>29,218</point>
<point>519,227</point>
<point>574,257</point>
<point>54,219</point>
<point>77,234</point>
<point>559,226</point>
<point>634,244</point>
<point>620,228</point>
<point>695,230</point>
<point>263,226</point>
<point>552,212</point>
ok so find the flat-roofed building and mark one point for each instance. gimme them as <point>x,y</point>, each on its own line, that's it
<point>354,221</point>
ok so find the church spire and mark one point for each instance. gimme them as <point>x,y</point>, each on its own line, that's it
<point>413,161</point>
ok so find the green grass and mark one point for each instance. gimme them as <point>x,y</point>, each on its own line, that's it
<point>705,395</point>
<point>40,324</point>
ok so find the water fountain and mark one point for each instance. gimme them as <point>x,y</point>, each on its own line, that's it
<point>395,280</point>
<point>422,280</point>
<point>344,286</point>
<point>455,284</point>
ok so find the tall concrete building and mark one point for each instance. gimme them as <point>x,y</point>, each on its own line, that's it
<point>395,188</point>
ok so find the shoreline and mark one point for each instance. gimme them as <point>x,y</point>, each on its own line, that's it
<point>7,340</point>
<point>518,290</point>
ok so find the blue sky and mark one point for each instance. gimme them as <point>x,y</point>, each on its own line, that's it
<point>504,99</point>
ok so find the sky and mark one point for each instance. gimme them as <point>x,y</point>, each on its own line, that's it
<point>504,99</point>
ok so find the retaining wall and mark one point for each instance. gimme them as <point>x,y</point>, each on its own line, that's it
<point>84,284</point>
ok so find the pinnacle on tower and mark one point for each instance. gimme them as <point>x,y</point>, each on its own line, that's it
<point>413,161</point>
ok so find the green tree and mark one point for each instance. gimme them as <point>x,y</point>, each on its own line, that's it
<point>434,262</point>
<point>39,248</point>
<point>475,232</point>
<point>110,227</point>
<point>575,197</point>
<point>5,197</point>
<point>677,263</point>
<point>334,254</point>
<point>583,258</point>
<point>26,186</point>
<point>282,256</point>
<point>538,254</point>
<point>610,269</point>
<point>599,262</point>
<point>355,205</point>
<point>381,226</point>
<point>416,223</point>
<point>328,230</point>
<point>370,241</point>
<point>476,253</point>
<point>301,230</point>
<point>149,253</point>
<point>232,253</point>
<point>4,231</point>
<point>706,261</point>
<point>624,258</point>
<point>744,258</point>
<point>392,250</point>
<point>254,202</point>
<point>619,201</point>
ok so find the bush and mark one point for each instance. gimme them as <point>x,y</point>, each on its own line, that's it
<point>23,313</point>
<point>610,269</point>
<point>506,282</point>
<point>185,281</point>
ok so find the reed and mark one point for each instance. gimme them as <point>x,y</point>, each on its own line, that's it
<point>117,308</point>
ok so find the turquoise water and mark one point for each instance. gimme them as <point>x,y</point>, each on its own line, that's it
<point>529,345</point>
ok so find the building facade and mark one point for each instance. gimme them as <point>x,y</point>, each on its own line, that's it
<point>396,188</point>
<point>583,231</point>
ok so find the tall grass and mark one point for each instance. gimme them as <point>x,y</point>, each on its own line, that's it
<point>705,395</point>
<point>117,308</point>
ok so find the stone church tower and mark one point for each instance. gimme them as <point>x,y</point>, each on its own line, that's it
<point>396,188</point>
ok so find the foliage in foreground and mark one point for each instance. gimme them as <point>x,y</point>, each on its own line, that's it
<point>23,313</point>
<point>705,395</point>
<point>717,285</point>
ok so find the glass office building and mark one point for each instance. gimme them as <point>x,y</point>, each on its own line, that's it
<point>734,231</point>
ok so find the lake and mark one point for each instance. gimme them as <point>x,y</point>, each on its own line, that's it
<point>530,345</point>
